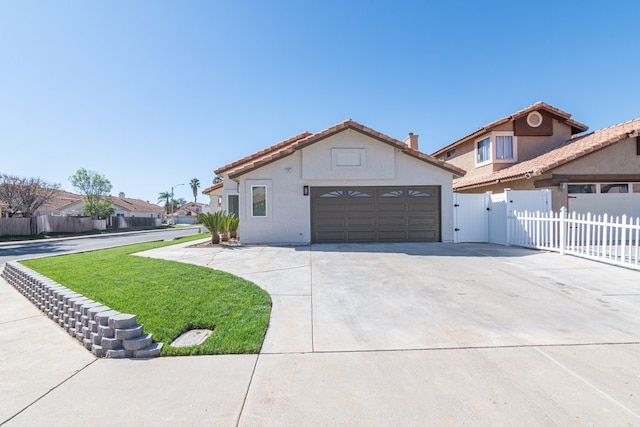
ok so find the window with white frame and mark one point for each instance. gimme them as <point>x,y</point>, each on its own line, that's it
<point>483,150</point>
<point>504,147</point>
<point>258,200</point>
<point>497,147</point>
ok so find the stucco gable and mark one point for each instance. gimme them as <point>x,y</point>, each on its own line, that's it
<point>303,140</point>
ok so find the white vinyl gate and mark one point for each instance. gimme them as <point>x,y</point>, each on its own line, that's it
<point>483,217</point>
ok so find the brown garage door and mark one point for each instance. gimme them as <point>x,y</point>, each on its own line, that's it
<point>375,214</point>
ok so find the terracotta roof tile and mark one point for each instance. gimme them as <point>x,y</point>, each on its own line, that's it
<point>300,141</point>
<point>562,116</point>
<point>135,205</point>
<point>213,188</point>
<point>573,149</point>
<point>262,153</point>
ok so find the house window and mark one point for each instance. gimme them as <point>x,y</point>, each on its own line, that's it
<point>451,153</point>
<point>498,147</point>
<point>233,205</point>
<point>581,188</point>
<point>483,151</point>
<point>258,200</point>
<point>504,147</point>
<point>614,188</point>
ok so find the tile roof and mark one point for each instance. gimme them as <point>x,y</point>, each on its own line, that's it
<point>214,187</point>
<point>64,199</point>
<point>563,116</point>
<point>573,149</point>
<point>135,205</point>
<point>304,139</point>
<point>60,200</point>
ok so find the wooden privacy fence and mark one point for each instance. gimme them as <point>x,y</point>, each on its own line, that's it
<point>49,224</point>
<point>614,240</point>
<point>15,226</point>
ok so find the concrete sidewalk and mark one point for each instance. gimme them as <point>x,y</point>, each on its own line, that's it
<point>409,334</point>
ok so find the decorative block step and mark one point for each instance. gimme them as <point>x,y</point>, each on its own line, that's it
<point>123,321</point>
<point>129,333</point>
<point>152,351</point>
<point>138,343</point>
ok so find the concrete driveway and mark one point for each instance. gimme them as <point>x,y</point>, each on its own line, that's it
<point>384,334</point>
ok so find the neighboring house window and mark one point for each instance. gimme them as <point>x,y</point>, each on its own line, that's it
<point>498,147</point>
<point>233,205</point>
<point>483,151</point>
<point>120,214</point>
<point>451,153</point>
<point>258,200</point>
<point>504,147</point>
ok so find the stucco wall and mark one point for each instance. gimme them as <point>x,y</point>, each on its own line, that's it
<point>619,158</point>
<point>288,210</point>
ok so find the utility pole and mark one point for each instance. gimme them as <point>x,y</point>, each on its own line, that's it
<point>177,185</point>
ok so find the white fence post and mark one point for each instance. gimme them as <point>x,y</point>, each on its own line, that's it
<point>563,229</point>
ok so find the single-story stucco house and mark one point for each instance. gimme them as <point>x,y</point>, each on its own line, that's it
<point>347,183</point>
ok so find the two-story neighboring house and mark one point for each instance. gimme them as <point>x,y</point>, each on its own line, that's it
<point>542,147</point>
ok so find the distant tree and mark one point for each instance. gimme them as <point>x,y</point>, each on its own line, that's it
<point>217,179</point>
<point>178,202</point>
<point>194,184</point>
<point>95,188</point>
<point>105,208</point>
<point>165,196</point>
<point>25,195</point>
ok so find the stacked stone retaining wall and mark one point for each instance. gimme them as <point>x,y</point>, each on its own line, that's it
<point>105,332</point>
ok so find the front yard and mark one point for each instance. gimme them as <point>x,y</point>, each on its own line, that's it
<point>168,297</point>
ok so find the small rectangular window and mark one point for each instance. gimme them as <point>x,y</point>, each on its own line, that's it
<point>259,201</point>
<point>483,151</point>
<point>614,188</point>
<point>581,188</point>
<point>451,153</point>
<point>636,188</point>
<point>504,147</point>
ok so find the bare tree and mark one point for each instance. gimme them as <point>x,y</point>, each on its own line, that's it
<point>25,195</point>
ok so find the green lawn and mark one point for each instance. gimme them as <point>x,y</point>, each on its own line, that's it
<point>168,297</point>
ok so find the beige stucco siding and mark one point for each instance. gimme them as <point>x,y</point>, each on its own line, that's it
<point>618,158</point>
<point>531,146</point>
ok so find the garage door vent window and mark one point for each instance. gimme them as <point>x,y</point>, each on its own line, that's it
<point>417,193</point>
<point>355,193</point>
<point>337,193</point>
<point>395,193</point>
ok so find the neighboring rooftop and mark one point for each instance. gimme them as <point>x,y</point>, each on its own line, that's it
<point>573,149</point>
<point>558,114</point>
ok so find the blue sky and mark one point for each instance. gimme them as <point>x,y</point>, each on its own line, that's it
<point>154,93</point>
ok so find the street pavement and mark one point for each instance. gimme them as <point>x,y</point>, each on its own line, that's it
<point>362,334</point>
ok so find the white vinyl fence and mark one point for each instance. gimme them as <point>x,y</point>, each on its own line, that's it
<point>614,240</point>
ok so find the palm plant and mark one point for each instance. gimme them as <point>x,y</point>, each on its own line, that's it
<point>165,196</point>
<point>194,183</point>
<point>213,223</point>
<point>233,226</point>
<point>225,225</point>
